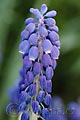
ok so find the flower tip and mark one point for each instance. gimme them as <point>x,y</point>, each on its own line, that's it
<point>51,13</point>
<point>43,9</point>
<point>31,10</point>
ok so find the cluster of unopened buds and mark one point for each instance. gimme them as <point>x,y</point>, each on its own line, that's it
<point>39,48</point>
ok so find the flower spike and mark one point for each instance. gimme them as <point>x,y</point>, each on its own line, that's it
<point>39,48</point>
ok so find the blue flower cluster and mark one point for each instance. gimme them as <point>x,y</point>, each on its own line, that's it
<point>60,112</point>
<point>40,49</point>
<point>74,110</point>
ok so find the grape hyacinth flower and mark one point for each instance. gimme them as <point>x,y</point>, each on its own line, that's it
<point>74,109</point>
<point>58,110</point>
<point>39,48</point>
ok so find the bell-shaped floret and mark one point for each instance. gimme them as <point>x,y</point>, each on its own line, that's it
<point>37,68</point>
<point>25,34</point>
<point>49,73</point>
<point>29,20</point>
<point>33,39</point>
<point>30,27</point>
<point>48,100</point>
<point>29,77</point>
<point>43,32</point>
<point>32,89</point>
<point>51,13</point>
<point>50,22</point>
<point>47,46</point>
<point>25,116</point>
<point>53,36</point>
<point>43,82</point>
<point>46,60</point>
<point>36,12</point>
<point>33,53</point>
<point>35,106</point>
<point>43,9</point>
<point>55,52</point>
<point>24,47</point>
<point>49,86</point>
<point>54,28</point>
<point>27,63</point>
<point>41,96</point>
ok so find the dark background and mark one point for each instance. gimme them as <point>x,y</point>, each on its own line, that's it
<point>66,81</point>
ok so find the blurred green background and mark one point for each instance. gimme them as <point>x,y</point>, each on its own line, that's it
<point>66,81</point>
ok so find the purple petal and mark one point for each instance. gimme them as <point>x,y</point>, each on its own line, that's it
<point>24,47</point>
<point>72,105</point>
<point>28,100</point>
<point>37,68</point>
<point>55,52</point>
<point>25,116</point>
<point>50,22</point>
<point>30,77</point>
<point>47,46</point>
<point>41,96</point>
<point>45,113</point>
<point>43,32</point>
<point>49,73</point>
<point>57,43</point>
<point>22,96</point>
<point>32,89</point>
<point>54,64</point>
<point>54,28</point>
<point>51,14</point>
<point>48,100</point>
<point>35,12</point>
<point>43,9</point>
<point>30,27</point>
<point>46,60</point>
<point>35,106</point>
<point>29,20</point>
<point>49,86</point>
<point>33,53</point>
<point>22,107</point>
<point>53,36</point>
<point>33,39</point>
<point>43,82</point>
<point>27,63</point>
<point>25,34</point>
